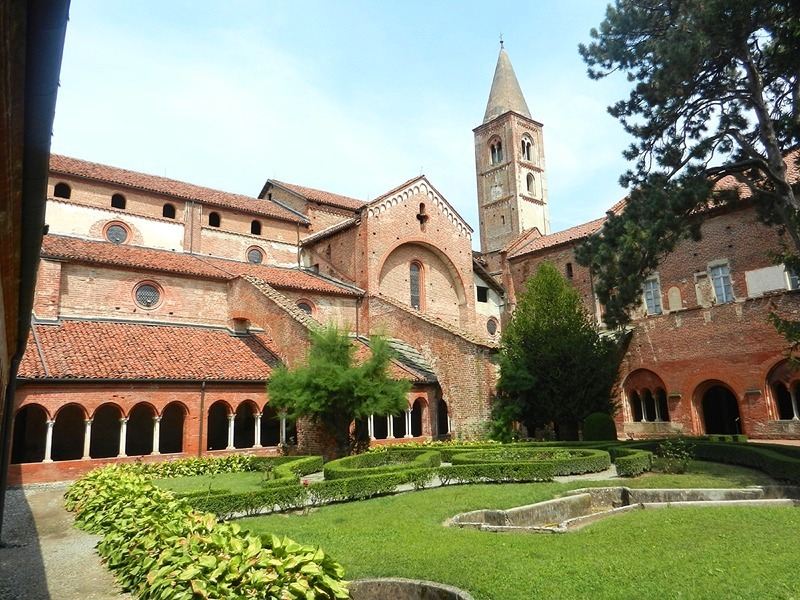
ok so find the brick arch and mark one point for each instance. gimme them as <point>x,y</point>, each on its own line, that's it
<point>173,421</point>
<point>642,379</point>
<point>30,432</point>
<point>105,430</point>
<point>71,404</point>
<point>452,271</point>
<point>717,407</point>
<point>783,390</point>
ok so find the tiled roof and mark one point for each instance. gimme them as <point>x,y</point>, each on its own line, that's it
<point>135,257</point>
<point>399,367</point>
<point>114,350</point>
<point>442,324</point>
<point>186,191</point>
<point>319,195</point>
<point>328,231</point>
<point>283,302</point>
<point>572,234</point>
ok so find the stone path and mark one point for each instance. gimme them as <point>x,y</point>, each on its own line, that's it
<point>43,557</point>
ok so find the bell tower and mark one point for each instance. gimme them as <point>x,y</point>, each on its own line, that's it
<point>509,164</point>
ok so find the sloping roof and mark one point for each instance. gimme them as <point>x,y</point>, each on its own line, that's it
<point>506,95</point>
<point>320,196</point>
<point>185,191</point>
<point>135,257</point>
<point>572,234</point>
<point>399,367</point>
<point>329,231</point>
<point>116,350</point>
<point>442,324</point>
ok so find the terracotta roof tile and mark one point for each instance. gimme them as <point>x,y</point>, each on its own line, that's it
<point>135,257</point>
<point>572,234</point>
<point>186,191</point>
<point>397,368</point>
<point>454,329</point>
<point>320,196</point>
<point>114,350</point>
<point>328,231</point>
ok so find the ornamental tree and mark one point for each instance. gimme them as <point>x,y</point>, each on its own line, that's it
<point>554,364</point>
<point>334,389</point>
<point>715,94</point>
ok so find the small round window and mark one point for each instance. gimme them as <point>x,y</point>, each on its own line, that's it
<point>305,307</point>
<point>116,234</point>
<point>147,295</point>
<point>255,256</point>
<point>491,326</point>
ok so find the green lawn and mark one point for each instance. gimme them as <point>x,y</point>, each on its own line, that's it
<point>672,553</point>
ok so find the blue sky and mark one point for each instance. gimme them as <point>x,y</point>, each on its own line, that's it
<point>353,97</point>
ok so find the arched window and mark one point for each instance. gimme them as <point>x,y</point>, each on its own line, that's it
<point>118,201</point>
<point>62,190</point>
<point>496,151</point>
<point>168,211</point>
<point>526,148</point>
<point>213,219</point>
<point>531,183</point>
<point>255,227</point>
<point>415,282</point>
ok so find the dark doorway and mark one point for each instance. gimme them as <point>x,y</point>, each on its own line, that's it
<point>217,427</point>
<point>105,432</point>
<point>416,418</point>
<point>721,411</point>
<point>270,427</point>
<point>442,421</point>
<point>68,433</point>
<point>30,433</point>
<point>399,425</point>
<point>783,399</point>
<point>139,440</point>
<point>380,428</point>
<point>171,439</point>
<point>244,426</point>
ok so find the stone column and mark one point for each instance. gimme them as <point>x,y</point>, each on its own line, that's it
<point>156,435</point>
<point>123,436</point>
<point>795,411</point>
<point>231,418</point>
<point>389,428</point>
<point>371,426</point>
<point>257,437</point>
<point>48,442</point>
<point>644,409</point>
<point>658,408</point>
<point>87,439</point>
<point>408,423</point>
<point>283,430</point>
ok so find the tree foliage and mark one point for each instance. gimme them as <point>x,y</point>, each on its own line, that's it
<point>336,390</point>
<point>715,96</point>
<point>554,364</point>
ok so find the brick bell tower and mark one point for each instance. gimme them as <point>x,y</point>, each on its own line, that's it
<point>509,164</point>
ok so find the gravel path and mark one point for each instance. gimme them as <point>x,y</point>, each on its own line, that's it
<point>43,557</point>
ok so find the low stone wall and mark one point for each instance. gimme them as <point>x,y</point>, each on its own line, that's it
<point>404,589</point>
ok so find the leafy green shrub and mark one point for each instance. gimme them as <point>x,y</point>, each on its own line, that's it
<point>598,427</point>
<point>187,467</point>
<point>775,464</point>
<point>501,472</point>
<point>159,548</point>
<point>675,454</point>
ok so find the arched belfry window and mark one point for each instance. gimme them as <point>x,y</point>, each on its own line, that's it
<point>255,227</point>
<point>62,190</point>
<point>496,151</point>
<point>531,183</point>
<point>526,148</point>
<point>213,219</point>
<point>415,281</point>
<point>168,212</point>
<point>118,201</point>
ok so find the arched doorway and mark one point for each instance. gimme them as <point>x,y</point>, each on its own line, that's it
<point>139,433</point>
<point>442,418</point>
<point>399,425</point>
<point>270,427</point>
<point>105,431</point>
<point>30,433</point>
<point>68,433</point>
<point>217,426</point>
<point>416,417</point>
<point>171,435</point>
<point>721,411</point>
<point>244,426</point>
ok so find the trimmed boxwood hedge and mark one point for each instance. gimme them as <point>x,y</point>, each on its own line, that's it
<point>776,464</point>
<point>374,463</point>
<point>579,461</point>
<point>631,462</point>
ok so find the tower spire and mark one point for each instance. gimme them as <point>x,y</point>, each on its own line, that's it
<point>506,94</point>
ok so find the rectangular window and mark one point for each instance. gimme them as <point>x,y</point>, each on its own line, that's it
<point>721,278</point>
<point>793,280</point>
<point>652,296</point>
<point>483,293</point>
